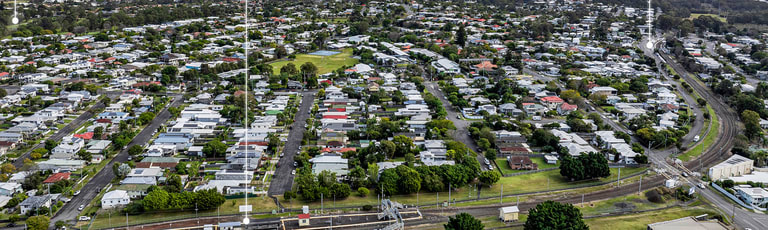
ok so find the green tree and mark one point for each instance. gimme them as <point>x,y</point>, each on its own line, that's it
<point>146,117</point>
<point>289,69</point>
<point>174,184</point>
<point>340,190</point>
<point>209,199</point>
<point>388,148</point>
<point>388,181</point>
<point>464,221</point>
<point>214,148</point>
<point>489,177</point>
<point>751,123</point>
<point>38,223</point>
<point>98,132</point>
<point>409,180</point>
<point>551,215</point>
<point>490,154</point>
<point>363,192</point>
<point>135,150</point>
<point>85,155</point>
<point>571,168</point>
<point>170,71</point>
<point>8,168</point>
<point>50,144</point>
<point>461,36</point>
<point>156,200</point>
<point>403,145</point>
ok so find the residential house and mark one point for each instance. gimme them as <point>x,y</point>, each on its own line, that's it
<point>114,199</point>
<point>35,202</point>
<point>10,188</point>
<point>333,163</point>
<point>521,163</point>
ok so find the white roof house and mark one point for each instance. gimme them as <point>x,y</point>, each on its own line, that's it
<point>332,163</point>
<point>115,198</point>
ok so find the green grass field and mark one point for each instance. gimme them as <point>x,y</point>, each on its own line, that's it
<point>722,19</point>
<point>714,129</point>
<point>325,64</point>
<point>641,220</point>
<point>505,169</point>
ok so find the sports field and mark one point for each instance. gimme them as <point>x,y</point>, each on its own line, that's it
<point>325,64</point>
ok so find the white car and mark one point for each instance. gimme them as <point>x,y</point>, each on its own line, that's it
<point>84,218</point>
<point>76,193</point>
<point>82,206</point>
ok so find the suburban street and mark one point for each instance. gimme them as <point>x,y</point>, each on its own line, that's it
<point>61,133</point>
<point>89,192</point>
<point>283,179</point>
<point>462,132</point>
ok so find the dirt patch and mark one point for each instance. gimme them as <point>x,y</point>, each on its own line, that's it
<point>624,206</point>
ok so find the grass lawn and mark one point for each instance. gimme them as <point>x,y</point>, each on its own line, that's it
<point>502,163</point>
<point>325,64</point>
<point>535,182</point>
<point>621,204</point>
<point>641,220</point>
<point>722,19</point>
<point>118,219</point>
<point>714,129</point>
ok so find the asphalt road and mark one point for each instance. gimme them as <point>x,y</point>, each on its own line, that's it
<point>283,179</point>
<point>462,132</point>
<point>89,192</point>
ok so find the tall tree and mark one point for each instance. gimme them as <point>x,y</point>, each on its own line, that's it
<point>461,36</point>
<point>464,221</point>
<point>551,215</point>
<point>38,223</point>
<point>751,123</point>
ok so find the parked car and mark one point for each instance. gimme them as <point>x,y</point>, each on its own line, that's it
<point>84,218</point>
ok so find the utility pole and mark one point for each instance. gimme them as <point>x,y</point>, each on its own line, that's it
<point>640,188</point>
<point>501,194</point>
<point>321,203</point>
<point>618,179</point>
<point>449,192</point>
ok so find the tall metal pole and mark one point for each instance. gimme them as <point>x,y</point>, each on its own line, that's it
<point>321,203</point>
<point>449,192</point>
<point>501,194</point>
<point>618,179</point>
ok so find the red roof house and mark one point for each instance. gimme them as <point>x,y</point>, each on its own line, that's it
<point>84,136</point>
<point>566,108</point>
<point>56,177</point>
<point>552,102</point>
